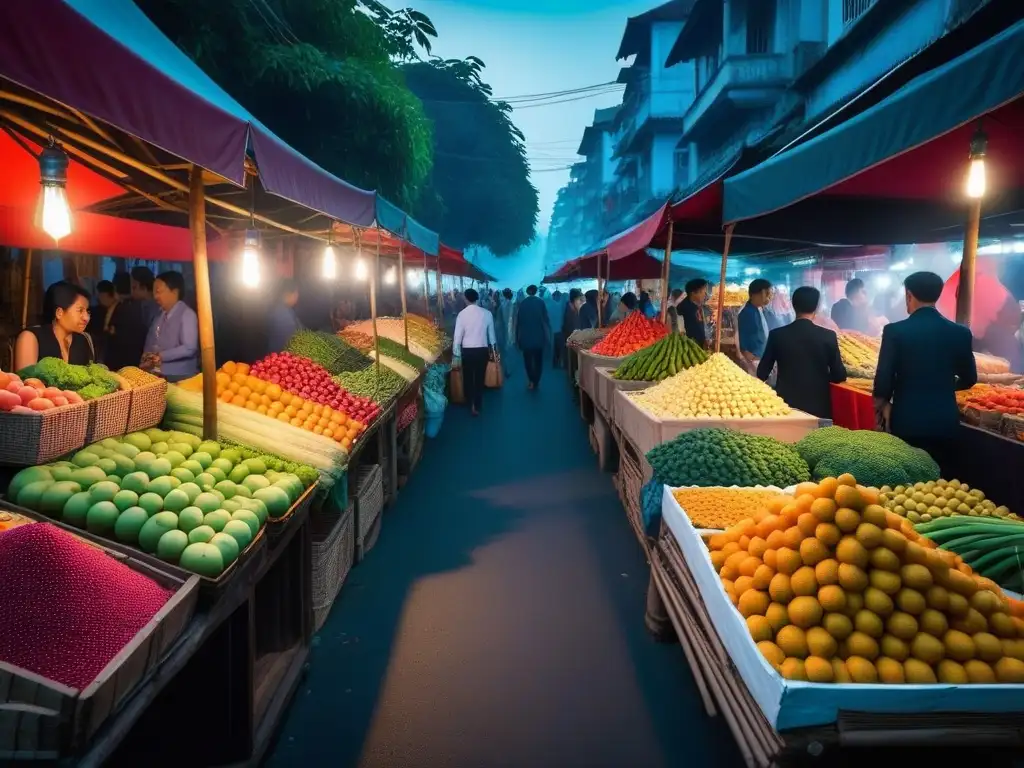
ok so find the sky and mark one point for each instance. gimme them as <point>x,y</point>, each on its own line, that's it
<point>533,47</point>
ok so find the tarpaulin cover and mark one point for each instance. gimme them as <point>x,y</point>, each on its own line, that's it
<point>424,239</point>
<point>390,217</point>
<point>91,233</point>
<point>106,59</point>
<point>887,152</point>
<point>640,265</point>
<point>636,238</point>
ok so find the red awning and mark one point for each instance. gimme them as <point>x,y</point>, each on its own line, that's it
<point>636,238</point>
<point>91,233</point>
<point>638,265</point>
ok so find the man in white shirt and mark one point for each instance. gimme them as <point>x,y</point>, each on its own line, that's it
<point>474,337</point>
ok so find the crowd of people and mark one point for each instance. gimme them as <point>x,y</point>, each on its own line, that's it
<point>139,319</point>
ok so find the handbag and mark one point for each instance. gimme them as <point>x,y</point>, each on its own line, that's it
<point>456,390</point>
<point>494,377</point>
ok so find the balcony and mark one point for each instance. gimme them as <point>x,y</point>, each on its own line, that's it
<point>742,82</point>
<point>649,110</point>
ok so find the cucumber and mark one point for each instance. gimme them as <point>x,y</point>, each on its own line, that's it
<point>987,562</point>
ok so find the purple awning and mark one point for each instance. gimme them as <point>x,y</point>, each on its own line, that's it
<point>106,59</point>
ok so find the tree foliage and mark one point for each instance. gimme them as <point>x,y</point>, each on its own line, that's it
<point>479,190</point>
<point>322,75</point>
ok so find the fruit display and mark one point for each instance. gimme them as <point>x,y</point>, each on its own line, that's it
<point>716,389</point>
<point>32,396</point>
<point>408,416</point>
<point>297,429</point>
<point>1001,400</point>
<point>876,458</point>
<point>586,338</point>
<point>310,382</point>
<point>193,503</point>
<point>10,520</point>
<point>674,353</point>
<point>68,608</point>
<point>632,334</point>
<point>833,588</point>
<point>724,457</point>
<point>720,508</point>
<point>963,395</point>
<point>379,385</point>
<point>859,353</point>
<point>734,297</point>
<point>328,351</point>
<point>991,546</point>
<point>923,502</point>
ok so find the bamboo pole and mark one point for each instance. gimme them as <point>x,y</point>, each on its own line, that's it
<point>666,270</point>
<point>373,303</point>
<point>401,290</point>
<point>968,264</point>
<point>426,289</point>
<point>720,308</point>
<point>26,285</point>
<point>600,291</point>
<point>440,297</point>
<point>204,306</point>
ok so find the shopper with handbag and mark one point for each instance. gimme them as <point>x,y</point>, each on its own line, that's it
<point>471,347</point>
<point>533,333</point>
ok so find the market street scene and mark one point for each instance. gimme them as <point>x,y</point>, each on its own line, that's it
<point>492,384</point>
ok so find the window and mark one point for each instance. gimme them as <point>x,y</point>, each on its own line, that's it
<point>854,9</point>
<point>681,166</point>
<point>760,26</point>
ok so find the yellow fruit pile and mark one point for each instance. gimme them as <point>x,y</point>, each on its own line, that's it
<point>859,353</point>
<point>718,508</point>
<point>716,389</point>
<point>834,588</point>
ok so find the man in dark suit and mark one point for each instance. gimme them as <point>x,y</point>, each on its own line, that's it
<point>752,322</point>
<point>807,356</point>
<point>533,330</point>
<point>923,361</point>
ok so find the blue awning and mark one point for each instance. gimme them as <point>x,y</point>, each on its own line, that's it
<point>934,104</point>
<point>396,221</point>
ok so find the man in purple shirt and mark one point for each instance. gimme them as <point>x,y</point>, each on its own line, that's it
<point>172,345</point>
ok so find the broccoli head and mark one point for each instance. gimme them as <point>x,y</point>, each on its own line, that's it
<point>874,458</point>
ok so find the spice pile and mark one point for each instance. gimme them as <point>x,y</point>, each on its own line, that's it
<point>719,508</point>
<point>68,608</point>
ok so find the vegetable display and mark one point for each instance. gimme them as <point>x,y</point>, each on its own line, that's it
<point>378,385</point>
<point>328,351</point>
<point>859,353</point>
<point>68,608</point>
<point>632,334</point>
<point>716,508</point>
<point>298,429</point>
<point>361,341</point>
<point>716,389</point>
<point>875,458</point>
<point>194,503</point>
<point>309,381</point>
<point>585,338</point>
<point>1002,400</point>
<point>32,396</point>
<point>724,457</point>
<point>834,588</point>
<point>664,358</point>
<point>993,547</point>
<point>923,502</point>
<point>424,340</point>
<point>89,381</point>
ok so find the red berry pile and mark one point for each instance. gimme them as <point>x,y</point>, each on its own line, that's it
<point>302,377</point>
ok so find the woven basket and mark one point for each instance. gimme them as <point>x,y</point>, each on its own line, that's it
<point>631,482</point>
<point>333,557</point>
<point>985,419</point>
<point>369,499</point>
<point>1013,427</point>
<point>108,416</point>
<point>149,401</point>
<point>36,439</point>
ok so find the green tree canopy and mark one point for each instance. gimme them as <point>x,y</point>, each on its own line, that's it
<point>479,190</point>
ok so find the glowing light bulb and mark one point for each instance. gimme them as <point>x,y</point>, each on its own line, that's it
<point>390,276</point>
<point>251,260</point>
<point>976,178</point>
<point>56,215</point>
<point>330,264</point>
<point>413,277</point>
<point>360,269</point>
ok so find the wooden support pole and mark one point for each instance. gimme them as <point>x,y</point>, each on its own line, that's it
<point>426,289</point>
<point>600,291</point>
<point>440,297</point>
<point>26,286</point>
<point>373,304</point>
<point>666,271</point>
<point>204,305</point>
<point>720,308</point>
<point>968,264</point>
<point>401,289</point>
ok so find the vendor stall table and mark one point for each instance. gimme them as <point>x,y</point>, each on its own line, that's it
<point>605,388</point>
<point>852,408</point>
<point>777,722</point>
<point>589,364</point>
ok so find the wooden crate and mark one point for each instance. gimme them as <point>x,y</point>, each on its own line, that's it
<point>44,720</point>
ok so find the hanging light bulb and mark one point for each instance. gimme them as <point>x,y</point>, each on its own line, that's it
<point>251,259</point>
<point>54,215</point>
<point>413,277</point>
<point>361,268</point>
<point>390,276</point>
<point>976,170</point>
<point>330,263</point>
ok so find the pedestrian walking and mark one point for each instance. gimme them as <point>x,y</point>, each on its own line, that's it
<point>471,347</point>
<point>533,330</point>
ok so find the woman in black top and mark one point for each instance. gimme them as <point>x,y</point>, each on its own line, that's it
<point>67,308</point>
